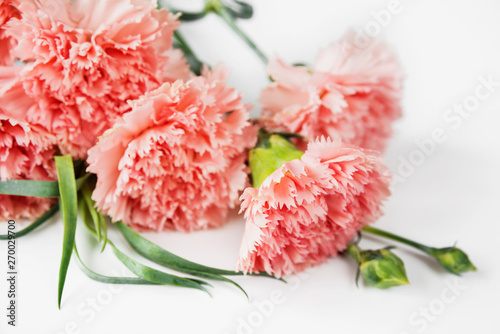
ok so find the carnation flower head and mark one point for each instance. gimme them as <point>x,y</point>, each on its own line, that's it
<point>349,92</point>
<point>177,160</point>
<point>7,11</point>
<point>308,209</point>
<point>25,154</point>
<point>86,58</point>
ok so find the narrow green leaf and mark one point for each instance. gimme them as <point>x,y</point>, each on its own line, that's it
<point>161,256</point>
<point>142,271</point>
<point>104,232</point>
<point>29,188</point>
<point>87,207</point>
<point>36,188</point>
<point>69,209</point>
<point>81,181</point>
<point>156,276</point>
<point>85,214</point>
<point>107,279</point>
<point>212,276</point>
<point>239,9</point>
<point>87,197</point>
<point>40,221</point>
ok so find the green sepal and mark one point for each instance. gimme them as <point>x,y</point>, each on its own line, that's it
<point>271,152</point>
<point>380,268</point>
<point>453,259</point>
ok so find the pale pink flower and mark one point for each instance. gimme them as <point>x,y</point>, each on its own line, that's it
<point>26,153</point>
<point>177,160</point>
<point>349,92</point>
<point>7,11</point>
<point>310,208</point>
<point>86,58</point>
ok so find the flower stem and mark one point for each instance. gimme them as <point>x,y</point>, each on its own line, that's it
<point>194,63</point>
<point>394,237</point>
<point>220,9</point>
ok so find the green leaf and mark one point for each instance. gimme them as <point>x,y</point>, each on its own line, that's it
<point>213,277</point>
<point>107,279</point>
<point>87,197</point>
<point>36,188</point>
<point>87,206</point>
<point>142,271</point>
<point>156,276</point>
<point>161,256</point>
<point>104,232</point>
<point>239,9</point>
<point>69,208</point>
<point>30,188</point>
<point>43,218</point>
<point>85,214</point>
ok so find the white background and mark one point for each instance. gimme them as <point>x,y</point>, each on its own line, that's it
<point>452,196</point>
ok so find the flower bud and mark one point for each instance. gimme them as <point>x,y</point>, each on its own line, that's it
<point>453,259</point>
<point>380,268</point>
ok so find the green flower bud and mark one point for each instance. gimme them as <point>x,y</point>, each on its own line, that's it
<point>453,259</point>
<point>271,152</point>
<point>380,268</point>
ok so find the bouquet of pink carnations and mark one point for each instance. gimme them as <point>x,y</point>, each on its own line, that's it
<point>106,112</point>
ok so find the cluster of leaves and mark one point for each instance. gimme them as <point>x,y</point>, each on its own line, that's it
<point>74,196</point>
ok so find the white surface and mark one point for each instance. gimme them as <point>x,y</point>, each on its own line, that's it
<point>452,196</point>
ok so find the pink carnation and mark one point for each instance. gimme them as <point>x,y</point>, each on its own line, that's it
<point>309,209</point>
<point>86,58</point>
<point>177,160</point>
<point>349,92</point>
<point>25,154</point>
<point>7,11</point>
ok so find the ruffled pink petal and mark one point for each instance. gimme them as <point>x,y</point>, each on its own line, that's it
<point>177,159</point>
<point>352,93</point>
<point>8,11</point>
<point>85,59</point>
<point>309,209</point>
<point>26,153</point>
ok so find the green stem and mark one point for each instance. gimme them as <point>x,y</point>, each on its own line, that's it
<point>394,237</point>
<point>194,63</point>
<point>355,252</point>
<point>229,19</point>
